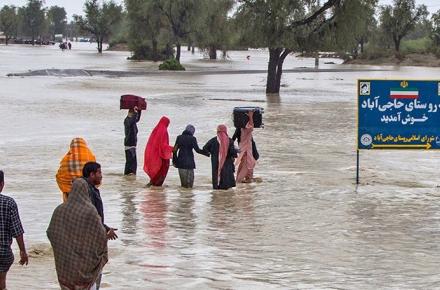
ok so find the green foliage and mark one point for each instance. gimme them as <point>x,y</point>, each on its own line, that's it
<point>33,17</point>
<point>181,18</point>
<point>216,33</point>
<point>57,20</point>
<point>353,26</point>
<point>147,36</point>
<point>120,32</point>
<point>283,26</point>
<point>435,29</point>
<point>100,20</point>
<point>8,21</point>
<point>398,20</point>
<point>72,30</point>
<point>147,53</point>
<point>420,45</point>
<point>171,64</point>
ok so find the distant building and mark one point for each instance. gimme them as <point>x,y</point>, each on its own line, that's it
<point>58,38</point>
<point>2,38</point>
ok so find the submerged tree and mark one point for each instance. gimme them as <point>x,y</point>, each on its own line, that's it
<point>100,20</point>
<point>33,16</point>
<point>147,35</point>
<point>57,20</point>
<point>8,22</point>
<point>354,25</point>
<point>399,19</point>
<point>276,24</point>
<point>215,32</point>
<point>182,17</point>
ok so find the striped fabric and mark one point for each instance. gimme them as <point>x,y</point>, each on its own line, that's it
<point>72,164</point>
<point>78,239</point>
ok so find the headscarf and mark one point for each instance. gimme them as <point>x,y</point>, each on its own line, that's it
<point>190,129</point>
<point>78,239</point>
<point>157,148</point>
<point>223,140</point>
<point>72,163</point>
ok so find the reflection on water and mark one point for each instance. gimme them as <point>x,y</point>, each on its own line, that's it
<point>154,211</point>
<point>130,215</point>
<point>306,226</point>
<point>182,216</point>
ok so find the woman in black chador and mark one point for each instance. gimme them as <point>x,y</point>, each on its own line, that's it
<point>183,156</point>
<point>223,154</point>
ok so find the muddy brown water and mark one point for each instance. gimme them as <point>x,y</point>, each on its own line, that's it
<point>305,226</point>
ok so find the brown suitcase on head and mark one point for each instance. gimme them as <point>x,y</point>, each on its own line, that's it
<point>130,101</point>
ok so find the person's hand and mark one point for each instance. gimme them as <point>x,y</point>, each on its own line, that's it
<point>111,235</point>
<point>136,109</point>
<point>24,260</point>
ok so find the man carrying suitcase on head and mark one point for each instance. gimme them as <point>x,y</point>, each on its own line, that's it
<point>130,141</point>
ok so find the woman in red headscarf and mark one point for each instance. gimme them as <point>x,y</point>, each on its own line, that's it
<point>158,153</point>
<point>223,153</point>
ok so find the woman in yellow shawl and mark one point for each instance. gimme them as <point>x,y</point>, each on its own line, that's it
<point>72,164</point>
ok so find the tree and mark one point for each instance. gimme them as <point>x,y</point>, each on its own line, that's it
<point>182,17</point>
<point>57,20</point>
<point>276,24</point>
<point>72,30</point>
<point>435,31</point>
<point>398,20</point>
<point>146,29</point>
<point>353,26</point>
<point>33,18</point>
<point>216,31</point>
<point>100,20</point>
<point>8,22</point>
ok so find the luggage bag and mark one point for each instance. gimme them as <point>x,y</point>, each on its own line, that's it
<point>130,101</point>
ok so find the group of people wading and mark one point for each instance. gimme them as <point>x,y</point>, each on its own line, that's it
<point>224,155</point>
<point>77,231</point>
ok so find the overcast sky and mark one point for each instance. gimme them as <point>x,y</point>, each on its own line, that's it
<point>76,6</point>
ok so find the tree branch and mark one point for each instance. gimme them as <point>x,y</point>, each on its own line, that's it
<point>329,4</point>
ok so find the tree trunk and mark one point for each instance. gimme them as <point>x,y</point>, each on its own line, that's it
<point>212,52</point>
<point>271,85</point>
<point>362,46</point>
<point>33,39</point>
<point>189,47</point>
<point>397,46</point>
<point>275,69</point>
<point>193,50</point>
<point>99,45</point>
<point>7,40</point>
<point>316,60</point>
<point>178,48</point>
<point>155,53</point>
<point>397,40</point>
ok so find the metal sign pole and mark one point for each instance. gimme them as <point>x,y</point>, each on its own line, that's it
<point>357,166</point>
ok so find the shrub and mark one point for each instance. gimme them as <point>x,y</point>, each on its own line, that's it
<point>171,64</point>
<point>420,45</point>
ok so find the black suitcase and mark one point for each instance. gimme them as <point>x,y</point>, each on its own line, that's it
<point>241,118</point>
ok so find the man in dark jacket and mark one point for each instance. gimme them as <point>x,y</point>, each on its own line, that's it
<point>130,141</point>
<point>93,175</point>
<point>183,156</point>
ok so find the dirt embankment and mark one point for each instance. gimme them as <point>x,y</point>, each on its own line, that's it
<point>428,60</point>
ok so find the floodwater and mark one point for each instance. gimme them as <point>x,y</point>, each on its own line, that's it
<point>305,226</point>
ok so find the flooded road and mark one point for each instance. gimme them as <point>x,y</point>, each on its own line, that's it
<point>305,226</point>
